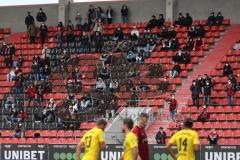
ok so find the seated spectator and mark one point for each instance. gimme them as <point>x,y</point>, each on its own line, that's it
<point>70,26</point>
<point>164,85</point>
<point>181,20</point>
<point>152,23</point>
<point>46,72</point>
<point>175,72</point>
<point>191,32</point>
<point>134,33</point>
<point>198,44</point>
<point>196,90</point>
<point>174,44</point>
<point>173,105</point>
<point>227,69</point>
<point>85,103</point>
<point>18,130</point>
<point>130,56</point>
<point>119,35</point>
<point>178,58</point>
<point>230,93</point>
<point>171,33</point>
<point>160,20</point>
<point>86,27</point>
<point>76,74</point>
<point>200,31</point>
<point>134,99</point>
<point>133,72</point>
<point>213,137</point>
<point>188,20</point>
<point>73,107</point>
<point>10,102</point>
<point>237,45</point>
<point>144,87</point>
<point>78,86</point>
<point>203,116</point>
<point>139,58</point>
<point>211,19</point>
<point>104,73</point>
<point>233,81</point>
<point>100,85</point>
<point>219,19</point>
<point>151,45</point>
<point>70,36</point>
<point>11,76</point>
<point>98,27</point>
<point>190,44</point>
<point>41,16</point>
<point>49,111</point>
<point>161,136</point>
<point>187,57</point>
<point>39,93</point>
<point>113,86</point>
<point>31,92</point>
<point>19,62</point>
<point>70,86</point>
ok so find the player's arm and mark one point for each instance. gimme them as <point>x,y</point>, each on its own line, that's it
<point>135,153</point>
<point>170,151</point>
<point>196,147</point>
<point>103,145</point>
<point>78,150</point>
<point>196,143</point>
<point>101,140</point>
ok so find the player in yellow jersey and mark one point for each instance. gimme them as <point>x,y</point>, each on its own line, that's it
<point>187,142</point>
<point>92,141</point>
<point>130,145</point>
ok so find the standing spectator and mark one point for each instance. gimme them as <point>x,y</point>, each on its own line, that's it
<point>32,32</point>
<point>139,131</point>
<point>207,89</point>
<point>41,16</point>
<point>213,137</point>
<point>173,107</point>
<point>152,23</point>
<point>39,93</point>
<point>59,37</point>
<point>219,19</point>
<point>188,20</point>
<point>160,20</point>
<point>227,69</point>
<point>109,13</point>
<point>46,72</point>
<point>181,20</point>
<point>29,19</point>
<point>135,33</point>
<point>124,13</point>
<point>98,27</point>
<point>78,20</point>
<point>195,93</point>
<point>233,81</point>
<point>18,130</point>
<point>161,136</point>
<point>43,33</point>
<point>31,92</point>
<point>211,19</point>
<point>98,40</point>
<point>230,93</point>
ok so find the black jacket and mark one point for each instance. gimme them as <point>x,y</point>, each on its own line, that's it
<point>195,91</point>
<point>161,137</point>
<point>29,20</point>
<point>207,90</point>
<point>41,17</point>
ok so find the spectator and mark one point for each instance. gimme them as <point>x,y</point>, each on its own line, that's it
<point>188,20</point>
<point>86,103</point>
<point>46,72</point>
<point>91,13</point>
<point>70,37</point>
<point>175,71</point>
<point>181,20</point>
<point>11,76</point>
<point>179,57</point>
<point>32,32</point>
<point>59,37</point>
<point>98,40</point>
<point>160,20</point>
<point>39,93</point>
<point>70,26</point>
<point>227,69</point>
<point>213,137</point>
<point>109,13</point>
<point>60,27</point>
<point>113,86</point>
<point>70,86</point>
<point>173,105</point>
<point>219,19</point>
<point>43,33</point>
<point>152,23</point>
<point>19,83</point>
<point>211,19</point>
<point>41,16</point>
<point>76,74</point>
<point>203,116</point>
<point>207,94</point>
<point>49,111</point>
<point>119,35</point>
<point>233,81</point>
<point>124,13</point>
<point>10,102</point>
<point>144,87</point>
<point>134,33</point>
<point>100,85</point>
<point>18,130</point>
<point>164,85</point>
<point>230,93</point>
<point>29,19</point>
<point>98,27</point>
<point>237,45</point>
<point>78,20</point>
<point>31,92</point>
<point>195,93</point>
<point>161,136</point>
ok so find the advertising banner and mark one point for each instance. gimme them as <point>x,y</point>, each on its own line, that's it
<point>24,152</point>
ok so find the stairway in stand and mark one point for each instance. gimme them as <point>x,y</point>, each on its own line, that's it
<point>208,64</point>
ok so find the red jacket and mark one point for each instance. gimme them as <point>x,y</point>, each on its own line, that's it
<point>31,92</point>
<point>230,89</point>
<point>142,142</point>
<point>173,104</point>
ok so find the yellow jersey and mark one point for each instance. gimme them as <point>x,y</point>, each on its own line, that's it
<point>185,141</point>
<point>129,144</point>
<point>92,140</point>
